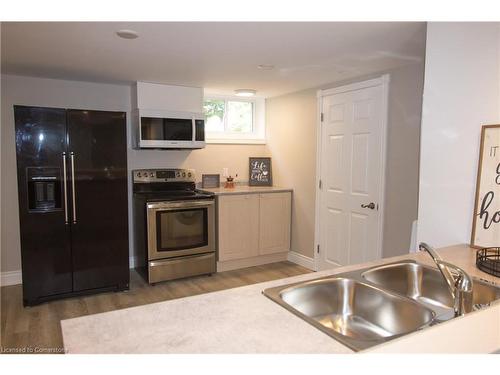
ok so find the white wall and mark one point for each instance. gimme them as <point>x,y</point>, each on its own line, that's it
<point>291,126</point>
<point>402,162</point>
<point>461,93</point>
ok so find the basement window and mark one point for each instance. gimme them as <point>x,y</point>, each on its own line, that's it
<point>230,119</point>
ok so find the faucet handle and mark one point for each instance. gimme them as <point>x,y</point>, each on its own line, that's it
<point>450,280</point>
<point>463,296</point>
<point>460,284</point>
<point>462,281</point>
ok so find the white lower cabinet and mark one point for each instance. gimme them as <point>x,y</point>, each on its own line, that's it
<point>253,226</point>
<point>274,222</point>
<point>238,226</point>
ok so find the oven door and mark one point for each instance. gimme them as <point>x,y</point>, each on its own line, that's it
<point>180,228</point>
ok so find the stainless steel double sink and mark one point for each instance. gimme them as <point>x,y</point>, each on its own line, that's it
<point>370,306</point>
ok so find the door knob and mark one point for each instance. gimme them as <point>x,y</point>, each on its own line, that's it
<point>371,206</point>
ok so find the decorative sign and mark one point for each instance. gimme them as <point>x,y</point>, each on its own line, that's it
<point>486,221</point>
<point>210,180</point>
<point>260,173</point>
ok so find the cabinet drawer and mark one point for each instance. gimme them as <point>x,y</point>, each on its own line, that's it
<point>169,269</point>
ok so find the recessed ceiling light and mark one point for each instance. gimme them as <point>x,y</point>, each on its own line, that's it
<point>265,66</point>
<point>127,34</point>
<point>245,92</point>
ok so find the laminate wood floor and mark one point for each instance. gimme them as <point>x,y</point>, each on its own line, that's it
<point>37,329</point>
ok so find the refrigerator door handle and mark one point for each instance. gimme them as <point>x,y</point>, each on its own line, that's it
<point>65,189</point>
<point>72,155</point>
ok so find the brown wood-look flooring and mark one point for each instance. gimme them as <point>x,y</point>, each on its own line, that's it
<point>37,329</point>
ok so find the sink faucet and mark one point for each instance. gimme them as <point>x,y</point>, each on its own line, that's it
<point>460,286</point>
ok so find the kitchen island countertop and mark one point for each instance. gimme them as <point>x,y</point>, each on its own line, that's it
<point>243,320</point>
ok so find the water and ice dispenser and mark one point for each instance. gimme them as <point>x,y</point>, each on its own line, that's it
<point>44,189</point>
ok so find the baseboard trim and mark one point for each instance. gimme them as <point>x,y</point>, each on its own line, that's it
<point>16,277</point>
<point>11,278</point>
<point>301,260</point>
<point>235,264</point>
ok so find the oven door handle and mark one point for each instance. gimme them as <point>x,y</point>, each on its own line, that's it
<point>177,205</point>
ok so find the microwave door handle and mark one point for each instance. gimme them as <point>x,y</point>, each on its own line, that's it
<point>139,131</point>
<point>193,129</point>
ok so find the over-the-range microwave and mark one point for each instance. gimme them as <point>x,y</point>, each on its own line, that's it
<point>158,129</point>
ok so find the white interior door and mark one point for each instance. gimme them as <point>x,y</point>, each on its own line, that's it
<point>351,168</point>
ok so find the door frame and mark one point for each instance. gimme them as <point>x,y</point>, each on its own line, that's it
<point>382,81</point>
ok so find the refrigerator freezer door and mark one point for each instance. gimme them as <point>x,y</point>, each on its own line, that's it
<point>98,146</point>
<point>45,238</point>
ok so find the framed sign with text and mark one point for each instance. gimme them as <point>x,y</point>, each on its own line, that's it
<point>486,220</point>
<point>260,173</point>
<point>210,180</point>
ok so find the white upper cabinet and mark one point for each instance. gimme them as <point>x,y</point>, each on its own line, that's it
<point>154,96</point>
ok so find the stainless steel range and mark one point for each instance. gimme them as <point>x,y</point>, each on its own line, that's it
<point>174,225</point>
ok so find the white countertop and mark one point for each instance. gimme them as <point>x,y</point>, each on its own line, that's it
<point>245,189</point>
<point>242,320</point>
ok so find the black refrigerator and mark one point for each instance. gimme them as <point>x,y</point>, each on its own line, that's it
<point>72,184</point>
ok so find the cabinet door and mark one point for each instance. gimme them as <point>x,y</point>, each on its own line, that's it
<point>238,226</point>
<point>274,223</point>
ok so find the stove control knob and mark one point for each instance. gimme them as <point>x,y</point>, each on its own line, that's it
<point>183,174</point>
<point>138,174</point>
<point>189,174</point>
<point>177,174</point>
<point>151,174</point>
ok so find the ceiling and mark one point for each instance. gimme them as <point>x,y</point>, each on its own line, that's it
<point>221,57</point>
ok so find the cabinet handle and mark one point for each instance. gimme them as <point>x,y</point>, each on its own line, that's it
<point>65,189</point>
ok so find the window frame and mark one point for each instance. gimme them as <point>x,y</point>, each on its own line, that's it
<point>258,134</point>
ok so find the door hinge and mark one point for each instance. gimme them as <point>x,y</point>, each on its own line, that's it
<point>320,184</point>
<point>322,117</point>
<point>317,249</point>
